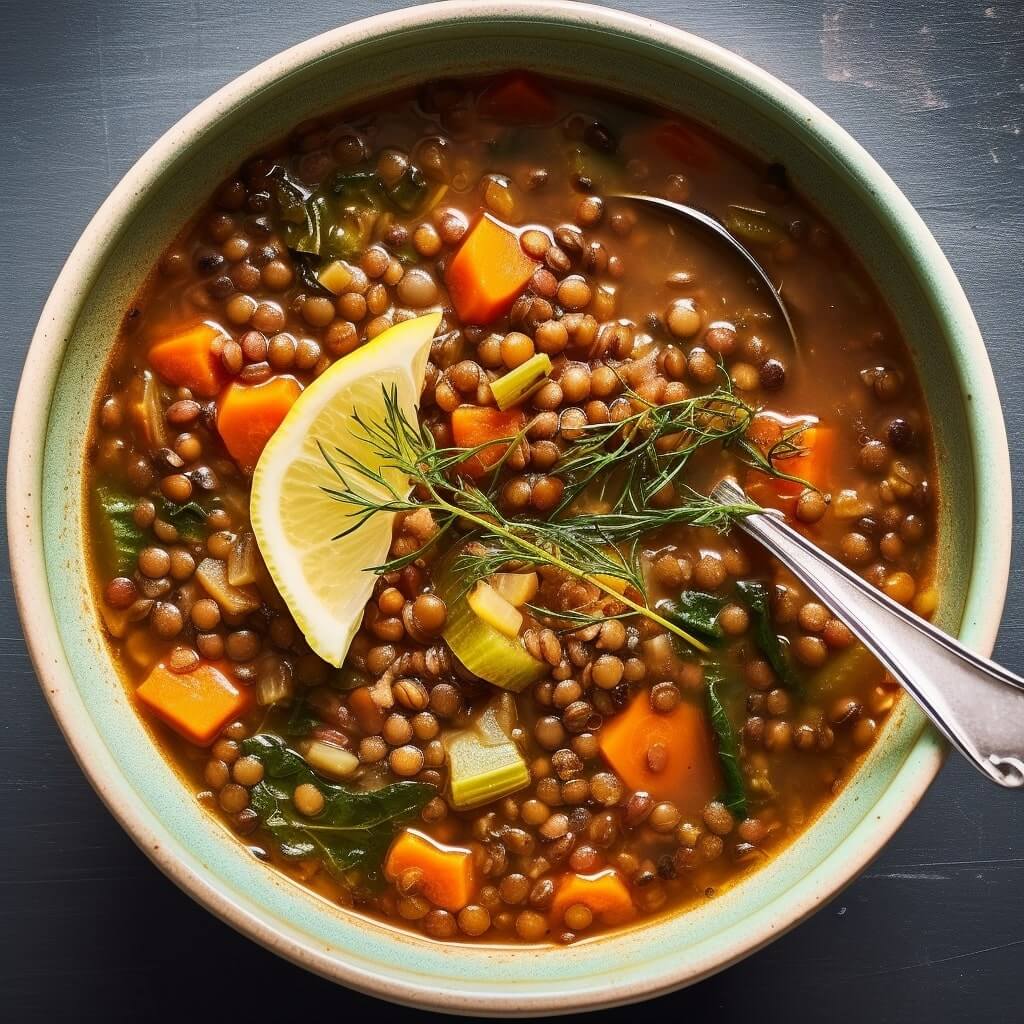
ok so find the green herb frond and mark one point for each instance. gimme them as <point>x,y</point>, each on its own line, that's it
<point>408,471</point>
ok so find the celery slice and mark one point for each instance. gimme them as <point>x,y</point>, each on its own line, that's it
<point>518,384</point>
<point>495,610</point>
<point>485,651</point>
<point>484,764</point>
<point>516,587</point>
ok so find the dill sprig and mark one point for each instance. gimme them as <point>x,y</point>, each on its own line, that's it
<point>413,473</point>
<point>628,461</point>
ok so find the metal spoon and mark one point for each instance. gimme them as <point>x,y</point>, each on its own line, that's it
<point>709,222</point>
<point>977,705</point>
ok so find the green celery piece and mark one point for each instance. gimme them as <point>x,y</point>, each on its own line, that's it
<point>352,832</point>
<point>487,653</point>
<point>484,764</point>
<point>845,669</point>
<point>734,797</point>
<point>600,168</point>
<point>125,539</point>
<point>519,383</point>
<point>751,225</point>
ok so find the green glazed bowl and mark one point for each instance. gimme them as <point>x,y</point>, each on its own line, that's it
<point>52,417</point>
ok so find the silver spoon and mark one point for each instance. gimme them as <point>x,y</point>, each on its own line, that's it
<point>709,222</point>
<point>976,704</point>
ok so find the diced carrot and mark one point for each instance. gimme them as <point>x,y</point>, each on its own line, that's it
<point>671,756</point>
<point>449,877</point>
<point>814,464</point>
<point>364,707</point>
<point>518,99</point>
<point>605,893</point>
<point>761,489</point>
<point>473,425</point>
<point>247,416</point>
<point>686,144</point>
<point>188,360</point>
<point>197,704</point>
<point>489,272</point>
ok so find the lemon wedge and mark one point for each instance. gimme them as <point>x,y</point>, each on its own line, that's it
<point>326,582</point>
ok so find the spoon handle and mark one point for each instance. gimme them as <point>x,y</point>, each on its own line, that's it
<point>977,705</point>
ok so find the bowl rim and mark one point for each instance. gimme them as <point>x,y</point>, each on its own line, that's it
<point>984,599</point>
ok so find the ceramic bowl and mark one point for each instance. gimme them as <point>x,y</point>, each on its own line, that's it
<point>52,417</point>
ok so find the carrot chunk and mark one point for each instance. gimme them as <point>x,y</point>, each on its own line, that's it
<point>489,272</point>
<point>187,360</point>
<point>449,878</point>
<point>247,416</point>
<point>474,425</point>
<point>518,99</point>
<point>685,144</point>
<point>197,704</point>
<point>605,893</point>
<point>814,464</point>
<point>671,756</point>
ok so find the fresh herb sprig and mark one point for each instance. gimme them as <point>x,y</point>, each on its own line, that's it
<point>628,461</point>
<point>582,546</point>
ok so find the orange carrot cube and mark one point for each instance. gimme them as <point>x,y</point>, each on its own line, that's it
<point>196,704</point>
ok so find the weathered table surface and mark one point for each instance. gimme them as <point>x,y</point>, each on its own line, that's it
<point>89,929</point>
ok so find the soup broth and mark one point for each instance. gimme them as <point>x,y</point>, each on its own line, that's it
<point>642,773</point>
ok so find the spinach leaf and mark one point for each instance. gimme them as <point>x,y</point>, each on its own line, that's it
<point>354,829</point>
<point>188,519</point>
<point>756,596</point>
<point>336,219</point>
<point>301,721</point>
<point>409,191</point>
<point>697,613</point>
<point>124,538</point>
<point>734,796</point>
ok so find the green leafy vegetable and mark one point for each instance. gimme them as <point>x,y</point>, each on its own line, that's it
<point>697,613</point>
<point>336,219</point>
<point>124,538</point>
<point>768,641</point>
<point>302,720</point>
<point>354,829</point>
<point>409,191</point>
<point>188,519</point>
<point>734,796</point>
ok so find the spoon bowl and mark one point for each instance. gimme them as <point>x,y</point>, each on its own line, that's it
<point>707,222</point>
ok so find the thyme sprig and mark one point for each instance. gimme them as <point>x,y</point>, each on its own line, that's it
<point>583,546</point>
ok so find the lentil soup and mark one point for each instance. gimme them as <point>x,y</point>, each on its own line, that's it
<point>575,698</point>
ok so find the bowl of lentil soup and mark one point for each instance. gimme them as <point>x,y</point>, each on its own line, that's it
<point>602,769</point>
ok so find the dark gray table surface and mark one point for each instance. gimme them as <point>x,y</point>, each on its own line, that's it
<point>89,929</point>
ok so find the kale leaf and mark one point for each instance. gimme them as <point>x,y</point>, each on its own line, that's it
<point>697,613</point>
<point>354,829</point>
<point>187,519</point>
<point>125,539</point>
<point>769,642</point>
<point>734,796</point>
